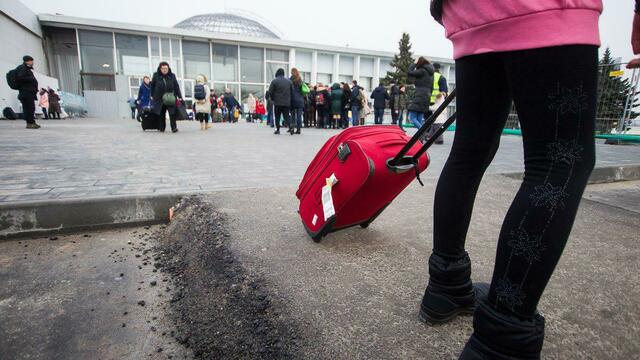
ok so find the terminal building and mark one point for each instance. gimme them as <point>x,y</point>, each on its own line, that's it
<point>105,61</point>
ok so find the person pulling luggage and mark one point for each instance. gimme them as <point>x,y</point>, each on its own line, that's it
<point>165,92</point>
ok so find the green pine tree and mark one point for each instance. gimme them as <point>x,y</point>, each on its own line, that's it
<point>400,63</point>
<point>613,92</point>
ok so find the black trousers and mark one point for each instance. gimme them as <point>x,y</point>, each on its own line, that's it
<point>28,110</point>
<point>172,118</point>
<point>554,91</point>
<point>202,117</point>
<point>284,112</point>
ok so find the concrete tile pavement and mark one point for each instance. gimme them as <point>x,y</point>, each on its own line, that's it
<point>84,158</point>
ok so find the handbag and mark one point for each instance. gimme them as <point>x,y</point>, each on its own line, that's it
<point>168,99</point>
<point>181,111</point>
<point>304,89</point>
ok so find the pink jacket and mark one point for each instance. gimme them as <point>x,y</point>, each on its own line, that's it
<point>482,26</point>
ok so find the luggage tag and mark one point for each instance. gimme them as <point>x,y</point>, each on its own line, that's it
<point>327,198</point>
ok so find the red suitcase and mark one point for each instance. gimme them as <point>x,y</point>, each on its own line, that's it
<point>359,172</point>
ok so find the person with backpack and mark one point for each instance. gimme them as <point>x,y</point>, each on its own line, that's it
<point>54,105</point>
<point>543,59</point>
<point>231,104</point>
<point>43,102</point>
<point>281,92</point>
<point>379,96</point>
<point>202,101</point>
<point>356,103</point>
<point>165,93</point>
<point>297,98</point>
<point>144,97</point>
<point>421,73</point>
<point>22,79</point>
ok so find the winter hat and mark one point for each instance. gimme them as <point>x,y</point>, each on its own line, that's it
<point>27,58</point>
<point>436,66</point>
<point>280,72</point>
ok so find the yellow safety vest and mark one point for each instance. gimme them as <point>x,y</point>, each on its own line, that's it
<point>436,87</point>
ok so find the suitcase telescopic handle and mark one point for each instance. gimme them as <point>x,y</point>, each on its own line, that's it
<point>398,159</point>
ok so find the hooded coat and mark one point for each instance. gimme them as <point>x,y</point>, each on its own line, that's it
<point>203,106</point>
<point>379,96</point>
<point>144,95</point>
<point>27,83</point>
<point>336,99</point>
<point>161,84</point>
<point>281,90</point>
<point>423,79</point>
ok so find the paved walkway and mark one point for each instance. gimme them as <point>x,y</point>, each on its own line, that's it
<point>84,158</point>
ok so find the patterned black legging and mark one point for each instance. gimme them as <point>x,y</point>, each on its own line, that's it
<point>554,91</point>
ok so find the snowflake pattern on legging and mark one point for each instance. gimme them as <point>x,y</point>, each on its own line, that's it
<point>567,152</point>
<point>548,196</point>
<point>568,100</point>
<point>526,245</point>
<point>509,294</point>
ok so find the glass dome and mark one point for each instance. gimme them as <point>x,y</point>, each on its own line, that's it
<point>227,24</point>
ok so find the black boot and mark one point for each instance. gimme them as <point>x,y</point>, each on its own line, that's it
<point>498,336</point>
<point>450,291</point>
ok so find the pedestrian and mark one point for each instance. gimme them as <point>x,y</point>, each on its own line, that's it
<point>346,106</point>
<point>230,104</point>
<point>439,84</point>
<point>27,85</point>
<point>322,106</point>
<point>297,99</point>
<point>394,104</point>
<point>336,105</point>
<point>281,92</point>
<point>165,93</point>
<point>379,96</point>
<point>365,109</point>
<point>403,105</point>
<point>144,97</point>
<point>54,105</point>
<point>260,110</point>
<point>356,103</point>
<point>43,102</point>
<point>421,73</point>
<point>269,105</point>
<point>202,101</point>
<point>133,106</point>
<point>213,101</point>
<point>251,107</point>
<point>548,67</point>
<point>313,110</point>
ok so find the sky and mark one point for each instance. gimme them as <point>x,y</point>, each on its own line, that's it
<point>360,24</point>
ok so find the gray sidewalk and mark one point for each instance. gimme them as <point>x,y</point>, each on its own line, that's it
<point>91,158</point>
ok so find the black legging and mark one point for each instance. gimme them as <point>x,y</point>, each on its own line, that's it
<point>554,91</point>
<point>286,114</point>
<point>172,118</point>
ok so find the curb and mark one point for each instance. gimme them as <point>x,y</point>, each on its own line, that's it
<point>45,217</point>
<point>40,218</point>
<point>600,175</point>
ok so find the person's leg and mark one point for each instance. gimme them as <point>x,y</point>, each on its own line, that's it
<point>415,118</point>
<point>298,120</point>
<point>277,113</point>
<point>172,118</point>
<point>481,117</point>
<point>163,119</point>
<point>45,113</point>
<point>28,110</point>
<point>400,120</point>
<point>554,91</point>
<point>355,116</point>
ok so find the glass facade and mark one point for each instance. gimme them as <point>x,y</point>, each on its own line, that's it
<point>225,62</point>
<point>196,57</point>
<point>133,54</point>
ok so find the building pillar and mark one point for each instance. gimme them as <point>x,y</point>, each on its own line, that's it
<point>356,68</point>
<point>336,68</point>
<point>314,67</point>
<point>292,58</point>
<point>376,72</point>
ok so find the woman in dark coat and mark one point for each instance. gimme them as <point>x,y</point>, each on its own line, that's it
<point>346,105</point>
<point>163,82</point>
<point>297,100</point>
<point>336,104</point>
<point>54,105</point>
<point>421,73</point>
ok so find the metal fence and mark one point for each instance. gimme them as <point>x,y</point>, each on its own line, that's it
<point>617,100</point>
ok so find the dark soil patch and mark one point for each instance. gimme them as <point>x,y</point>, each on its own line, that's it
<point>220,310</point>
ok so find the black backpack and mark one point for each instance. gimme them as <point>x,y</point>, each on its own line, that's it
<point>9,114</point>
<point>12,79</point>
<point>199,93</point>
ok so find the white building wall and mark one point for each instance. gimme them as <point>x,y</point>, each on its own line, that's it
<point>20,35</point>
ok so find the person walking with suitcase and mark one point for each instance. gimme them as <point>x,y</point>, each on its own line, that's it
<point>548,67</point>
<point>281,92</point>
<point>379,96</point>
<point>202,102</point>
<point>23,80</point>
<point>144,98</point>
<point>421,73</point>
<point>165,92</point>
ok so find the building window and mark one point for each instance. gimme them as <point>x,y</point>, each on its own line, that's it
<point>278,55</point>
<point>225,62</point>
<point>251,64</point>
<point>326,79</point>
<point>277,59</point>
<point>306,76</point>
<point>385,66</point>
<point>346,68</point>
<point>196,59</point>
<point>96,50</point>
<point>165,49</point>
<point>98,82</point>
<point>366,82</point>
<point>273,67</point>
<point>256,90</point>
<point>303,64</point>
<point>133,54</point>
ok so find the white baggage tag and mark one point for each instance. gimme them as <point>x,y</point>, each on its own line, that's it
<point>327,198</point>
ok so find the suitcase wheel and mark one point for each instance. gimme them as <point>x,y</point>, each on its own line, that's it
<point>317,238</point>
<point>365,225</point>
